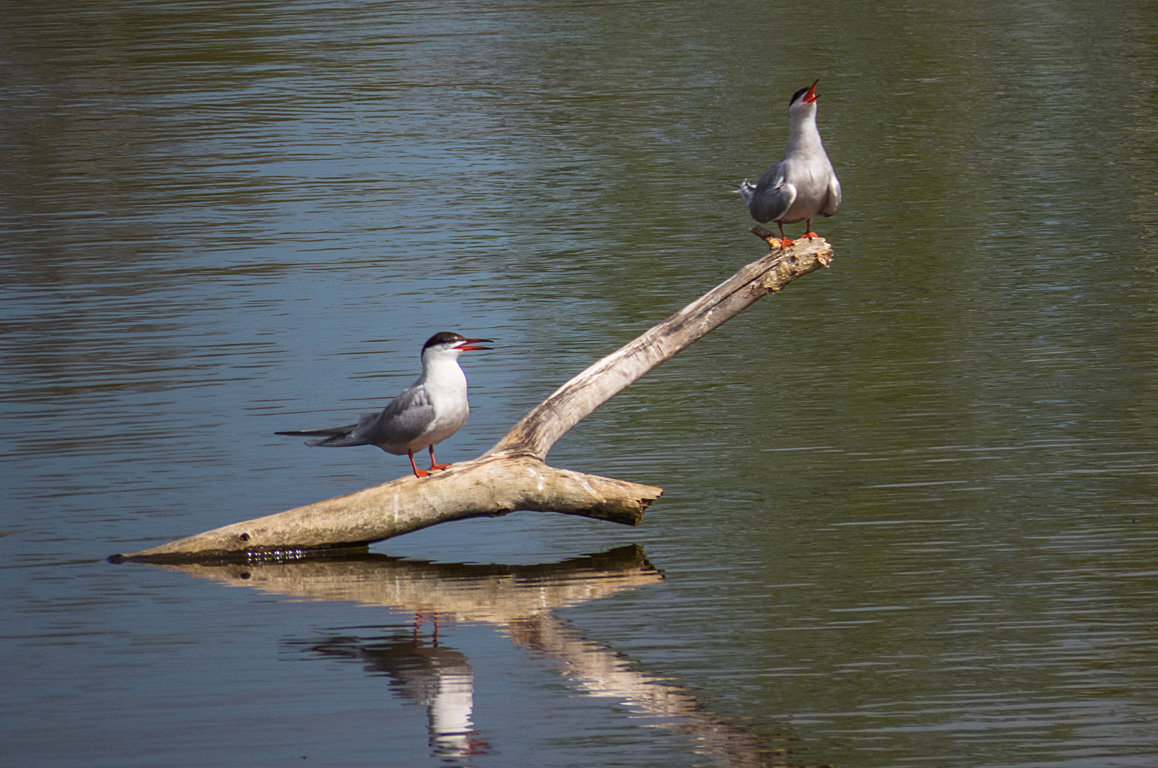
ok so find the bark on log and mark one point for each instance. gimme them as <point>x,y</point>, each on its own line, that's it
<point>512,475</point>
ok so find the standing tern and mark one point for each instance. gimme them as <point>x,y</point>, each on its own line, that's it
<point>802,183</point>
<point>427,412</point>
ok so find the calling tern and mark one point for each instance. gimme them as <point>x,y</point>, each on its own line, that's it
<point>802,183</point>
<point>427,412</point>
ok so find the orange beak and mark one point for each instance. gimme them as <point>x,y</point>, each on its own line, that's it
<point>811,95</point>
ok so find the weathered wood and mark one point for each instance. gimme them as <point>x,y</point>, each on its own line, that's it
<point>512,475</point>
<point>489,486</point>
<point>536,432</point>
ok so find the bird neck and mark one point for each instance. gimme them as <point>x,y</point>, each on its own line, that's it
<point>442,372</point>
<point>802,131</point>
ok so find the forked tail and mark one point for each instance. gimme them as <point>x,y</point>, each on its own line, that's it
<point>332,437</point>
<point>746,190</point>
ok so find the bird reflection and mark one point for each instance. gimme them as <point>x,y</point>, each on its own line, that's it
<point>423,673</point>
<point>519,600</point>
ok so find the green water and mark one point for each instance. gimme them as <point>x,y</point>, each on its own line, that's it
<point>909,509</point>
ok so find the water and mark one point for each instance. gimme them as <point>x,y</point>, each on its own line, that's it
<point>909,502</point>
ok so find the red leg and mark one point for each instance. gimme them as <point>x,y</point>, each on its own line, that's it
<point>433,465</point>
<point>417,472</point>
<point>784,241</point>
<point>808,230</point>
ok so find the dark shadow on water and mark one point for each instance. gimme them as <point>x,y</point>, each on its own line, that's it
<point>520,601</point>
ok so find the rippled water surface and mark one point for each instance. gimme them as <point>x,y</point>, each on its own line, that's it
<point>909,509</point>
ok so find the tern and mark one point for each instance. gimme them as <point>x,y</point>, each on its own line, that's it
<point>427,412</point>
<point>801,184</point>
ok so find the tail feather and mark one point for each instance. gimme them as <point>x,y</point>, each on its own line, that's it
<point>331,437</point>
<point>746,189</point>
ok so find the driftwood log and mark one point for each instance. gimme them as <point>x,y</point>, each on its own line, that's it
<point>513,475</point>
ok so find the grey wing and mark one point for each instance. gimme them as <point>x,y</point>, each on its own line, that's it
<point>832,201</point>
<point>404,419</point>
<point>773,196</point>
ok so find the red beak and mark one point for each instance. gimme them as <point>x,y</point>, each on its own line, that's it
<point>811,95</point>
<point>465,346</point>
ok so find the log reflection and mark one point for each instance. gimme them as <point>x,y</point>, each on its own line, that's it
<point>519,600</point>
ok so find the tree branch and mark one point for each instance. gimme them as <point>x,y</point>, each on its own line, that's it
<point>512,475</point>
<point>540,429</point>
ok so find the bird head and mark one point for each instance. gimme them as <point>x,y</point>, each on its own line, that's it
<point>803,99</point>
<point>450,342</point>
